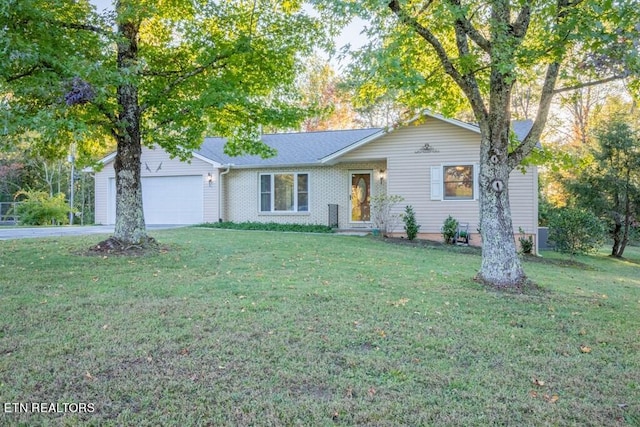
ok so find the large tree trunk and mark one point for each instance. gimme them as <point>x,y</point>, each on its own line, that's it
<point>501,265</point>
<point>130,227</point>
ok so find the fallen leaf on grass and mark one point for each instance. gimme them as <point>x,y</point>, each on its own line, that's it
<point>551,399</point>
<point>401,302</point>
<point>371,392</point>
<point>88,376</point>
<point>585,349</point>
<point>538,382</point>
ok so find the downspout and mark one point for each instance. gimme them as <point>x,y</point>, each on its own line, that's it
<point>220,190</point>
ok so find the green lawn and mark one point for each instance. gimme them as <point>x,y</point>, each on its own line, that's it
<point>261,328</point>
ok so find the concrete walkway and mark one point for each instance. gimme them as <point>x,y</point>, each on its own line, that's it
<point>10,233</point>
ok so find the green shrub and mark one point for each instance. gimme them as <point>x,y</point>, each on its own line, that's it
<point>410,224</point>
<point>526,242</point>
<point>270,226</point>
<point>575,231</point>
<point>449,230</point>
<point>39,208</point>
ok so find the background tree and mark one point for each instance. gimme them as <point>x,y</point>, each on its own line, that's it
<point>323,92</point>
<point>450,55</point>
<point>609,186</point>
<point>152,72</point>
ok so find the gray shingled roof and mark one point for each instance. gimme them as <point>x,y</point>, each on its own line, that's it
<point>521,128</point>
<point>304,148</point>
<point>308,148</point>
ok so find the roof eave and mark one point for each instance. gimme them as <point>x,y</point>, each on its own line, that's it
<point>332,158</point>
<point>206,159</point>
<point>274,166</point>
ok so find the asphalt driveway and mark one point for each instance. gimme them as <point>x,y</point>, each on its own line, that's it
<point>8,233</point>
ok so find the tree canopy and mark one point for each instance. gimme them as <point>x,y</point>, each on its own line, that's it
<point>150,73</point>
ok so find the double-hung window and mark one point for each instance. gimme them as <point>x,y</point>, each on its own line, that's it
<point>284,192</point>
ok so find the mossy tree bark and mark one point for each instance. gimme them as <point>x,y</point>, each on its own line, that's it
<point>130,227</point>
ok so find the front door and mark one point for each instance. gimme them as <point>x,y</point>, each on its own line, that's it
<point>361,196</point>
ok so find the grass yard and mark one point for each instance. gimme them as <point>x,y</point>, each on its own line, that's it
<point>269,329</point>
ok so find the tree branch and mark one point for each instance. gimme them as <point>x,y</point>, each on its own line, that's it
<point>465,24</point>
<point>211,65</point>
<point>461,80</point>
<point>521,25</point>
<point>588,84</point>
<point>532,139</point>
<point>83,27</point>
<point>27,73</point>
<point>471,88</point>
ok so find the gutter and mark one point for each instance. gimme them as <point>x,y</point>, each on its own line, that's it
<point>228,166</point>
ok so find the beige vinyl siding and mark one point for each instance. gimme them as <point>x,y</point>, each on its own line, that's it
<point>409,174</point>
<point>154,158</point>
<point>523,196</point>
<point>327,185</point>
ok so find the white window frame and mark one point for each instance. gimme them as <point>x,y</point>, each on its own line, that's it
<point>438,184</point>
<point>272,192</point>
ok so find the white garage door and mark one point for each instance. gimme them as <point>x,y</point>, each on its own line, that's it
<point>166,200</point>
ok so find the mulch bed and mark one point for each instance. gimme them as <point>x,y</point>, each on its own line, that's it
<point>114,246</point>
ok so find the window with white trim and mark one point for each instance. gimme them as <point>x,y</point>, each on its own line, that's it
<point>454,182</point>
<point>458,182</point>
<point>284,192</point>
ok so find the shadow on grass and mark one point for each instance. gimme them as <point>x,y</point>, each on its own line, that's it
<point>475,250</point>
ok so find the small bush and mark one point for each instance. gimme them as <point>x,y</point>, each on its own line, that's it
<point>526,242</point>
<point>39,208</point>
<point>449,230</point>
<point>270,226</point>
<point>381,212</point>
<point>575,231</point>
<point>410,224</point>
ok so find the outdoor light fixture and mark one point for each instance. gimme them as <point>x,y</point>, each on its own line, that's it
<point>382,175</point>
<point>209,179</point>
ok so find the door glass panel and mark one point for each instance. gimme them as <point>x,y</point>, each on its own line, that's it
<point>360,197</point>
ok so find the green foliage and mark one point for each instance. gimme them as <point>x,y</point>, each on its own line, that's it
<point>382,215</point>
<point>416,60</point>
<point>411,226</point>
<point>575,231</point>
<point>526,242</point>
<point>609,186</point>
<point>270,226</point>
<point>217,68</point>
<point>39,208</point>
<point>449,230</point>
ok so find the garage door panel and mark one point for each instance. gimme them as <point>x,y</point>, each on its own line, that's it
<point>168,200</point>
